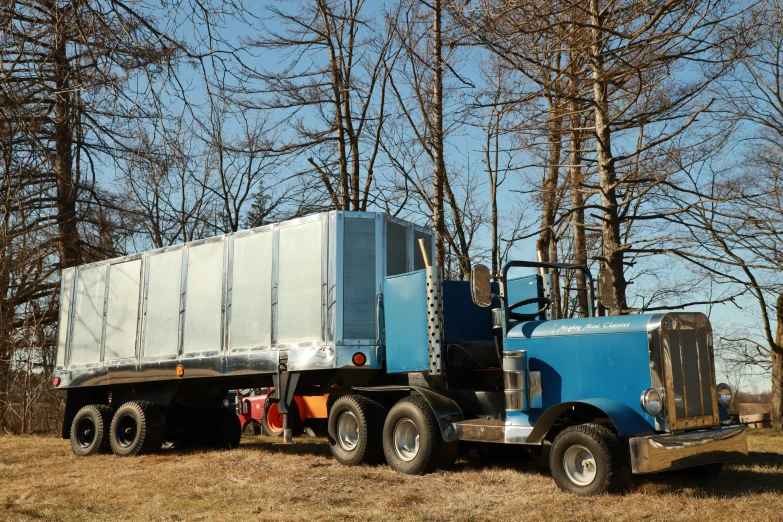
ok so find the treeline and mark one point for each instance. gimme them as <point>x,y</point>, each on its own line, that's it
<point>642,138</point>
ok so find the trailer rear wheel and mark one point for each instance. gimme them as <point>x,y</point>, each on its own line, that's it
<point>272,420</point>
<point>412,441</point>
<point>585,459</point>
<point>90,430</point>
<point>228,429</point>
<point>136,429</point>
<point>355,430</point>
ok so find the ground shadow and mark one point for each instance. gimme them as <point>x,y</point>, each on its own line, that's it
<point>760,472</point>
<point>301,446</point>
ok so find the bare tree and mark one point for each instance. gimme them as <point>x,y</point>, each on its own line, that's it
<point>331,92</point>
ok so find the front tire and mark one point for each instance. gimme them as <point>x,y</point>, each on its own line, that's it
<point>585,459</point>
<point>412,442</point>
<point>90,430</point>
<point>136,429</point>
<point>355,430</point>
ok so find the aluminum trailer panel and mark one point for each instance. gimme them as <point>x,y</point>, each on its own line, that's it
<point>303,291</point>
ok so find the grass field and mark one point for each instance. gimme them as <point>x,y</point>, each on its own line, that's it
<point>40,479</point>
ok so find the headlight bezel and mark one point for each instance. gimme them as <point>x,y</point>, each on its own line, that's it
<point>650,398</point>
<point>725,395</point>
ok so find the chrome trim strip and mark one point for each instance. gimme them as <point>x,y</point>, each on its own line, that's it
<point>492,430</point>
<point>198,365</point>
<point>653,453</point>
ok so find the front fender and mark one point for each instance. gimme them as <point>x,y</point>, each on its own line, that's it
<point>626,420</point>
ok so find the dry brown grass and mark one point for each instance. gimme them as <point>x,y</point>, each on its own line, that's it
<point>40,479</point>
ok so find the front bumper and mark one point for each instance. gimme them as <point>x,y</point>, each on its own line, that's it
<point>653,453</point>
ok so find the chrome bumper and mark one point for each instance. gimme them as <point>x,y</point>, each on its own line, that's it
<point>685,450</point>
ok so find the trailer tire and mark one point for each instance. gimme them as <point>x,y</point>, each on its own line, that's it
<point>136,429</point>
<point>275,428</point>
<point>90,430</point>
<point>355,430</point>
<point>586,460</point>
<point>412,442</point>
<point>228,429</point>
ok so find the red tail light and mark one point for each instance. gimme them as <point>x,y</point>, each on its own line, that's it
<point>56,382</point>
<point>359,359</point>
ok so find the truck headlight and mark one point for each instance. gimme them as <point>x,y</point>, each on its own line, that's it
<point>652,401</point>
<point>724,394</point>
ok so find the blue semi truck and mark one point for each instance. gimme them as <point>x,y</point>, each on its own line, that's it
<point>346,304</point>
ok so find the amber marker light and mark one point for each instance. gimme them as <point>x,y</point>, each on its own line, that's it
<point>56,382</point>
<point>180,370</point>
<point>359,359</point>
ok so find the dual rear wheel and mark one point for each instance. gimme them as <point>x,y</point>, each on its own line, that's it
<point>139,427</point>
<point>408,436</point>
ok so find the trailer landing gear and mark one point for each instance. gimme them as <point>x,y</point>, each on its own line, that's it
<point>272,419</point>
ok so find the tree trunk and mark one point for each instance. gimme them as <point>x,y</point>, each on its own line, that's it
<point>70,252</point>
<point>546,243</point>
<point>439,164</point>
<point>577,199</point>
<point>777,368</point>
<point>607,179</point>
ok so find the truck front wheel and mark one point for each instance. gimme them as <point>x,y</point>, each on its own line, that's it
<point>412,441</point>
<point>90,430</point>
<point>585,459</point>
<point>136,429</point>
<point>355,427</point>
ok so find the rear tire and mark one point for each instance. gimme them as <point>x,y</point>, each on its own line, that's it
<point>272,421</point>
<point>356,430</point>
<point>228,429</point>
<point>412,442</point>
<point>90,430</point>
<point>136,429</point>
<point>585,460</point>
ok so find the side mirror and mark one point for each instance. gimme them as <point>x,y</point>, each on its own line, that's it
<point>480,286</point>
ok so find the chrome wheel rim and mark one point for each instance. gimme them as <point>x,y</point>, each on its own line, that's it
<point>348,431</point>
<point>85,432</point>
<point>406,440</point>
<point>579,464</point>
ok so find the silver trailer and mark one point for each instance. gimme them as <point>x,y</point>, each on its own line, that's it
<point>302,293</point>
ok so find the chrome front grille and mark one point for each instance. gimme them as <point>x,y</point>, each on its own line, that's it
<point>681,358</point>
